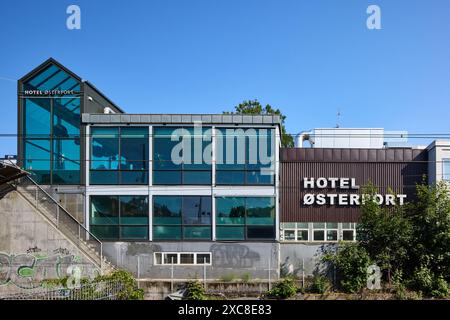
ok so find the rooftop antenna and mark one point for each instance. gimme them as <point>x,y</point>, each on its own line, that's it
<point>338,118</point>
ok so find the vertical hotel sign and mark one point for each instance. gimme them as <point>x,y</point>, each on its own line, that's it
<point>344,198</point>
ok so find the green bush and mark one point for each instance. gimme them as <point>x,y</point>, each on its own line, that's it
<point>320,284</point>
<point>228,277</point>
<point>246,277</point>
<point>284,288</point>
<point>351,262</point>
<point>423,280</point>
<point>195,291</point>
<point>441,288</point>
<point>130,290</point>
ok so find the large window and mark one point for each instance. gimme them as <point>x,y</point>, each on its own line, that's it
<point>245,156</point>
<point>245,218</point>
<point>119,155</point>
<point>181,155</point>
<point>51,127</point>
<point>181,217</point>
<point>446,169</point>
<point>182,258</point>
<point>119,217</point>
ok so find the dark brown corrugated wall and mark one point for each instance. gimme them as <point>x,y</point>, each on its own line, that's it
<point>398,169</point>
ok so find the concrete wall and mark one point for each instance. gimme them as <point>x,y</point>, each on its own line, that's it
<point>31,249</point>
<point>295,256</point>
<point>236,258</point>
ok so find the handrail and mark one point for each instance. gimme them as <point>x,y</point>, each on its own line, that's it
<point>67,213</point>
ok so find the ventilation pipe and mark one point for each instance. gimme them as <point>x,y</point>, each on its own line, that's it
<point>302,137</point>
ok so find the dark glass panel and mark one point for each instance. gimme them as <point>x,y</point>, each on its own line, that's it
<point>37,118</point>
<point>331,235</point>
<point>134,233</point>
<point>37,155</point>
<point>134,177</point>
<point>347,235</point>
<point>104,177</point>
<point>166,177</point>
<point>105,149</point>
<point>259,177</point>
<point>104,210</point>
<point>230,233</point>
<point>196,210</point>
<point>105,232</point>
<point>319,235</point>
<point>162,149</point>
<point>302,235</point>
<point>167,210</point>
<point>289,235</point>
<point>166,232</point>
<point>260,210</point>
<point>260,232</point>
<point>186,258</point>
<point>170,258</point>
<point>230,177</point>
<point>197,233</point>
<point>197,177</point>
<point>203,258</point>
<point>134,148</point>
<point>230,210</point>
<point>133,210</point>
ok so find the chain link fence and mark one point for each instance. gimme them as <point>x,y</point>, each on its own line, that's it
<point>104,290</point>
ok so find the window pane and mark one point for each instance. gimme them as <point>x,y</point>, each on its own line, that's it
<point>186,258</point>
<point>170,258</point>
<point>260,232</point>
<point>258,177</point>
<point>158,258</point>
<point>104,210</point>
<point>196,177</point>
<point>104,177</point>
<point>319,225</point>
<point>37,159</point>
<point>37,117</point>
<point>105,232</point>
<point>289,235</point>
<point>105,148</point>
<point>133,210</point>
<point>166,177</point>
<point>133,232</point>
<point>196,210</point>
<point>166,232</point>
<point>134,148</point>
<point>332,225</point>
<point>197,233</point>
<point>319,235</point>
<point>347,235</point>
<point>162,149</point>
<point>230,177</point>
<point>230,210</point>
<point>203,258</point>
<point>66,161</point>
<point>260,210</point>
<point>446,169</point>
<point>288,225</point>
<point>230,233</point>
<point>302,235</point>
<point>302,225</point>
<point>134,177</point>
<point>346,225</point>
<point>331,235</point>
<point>167,210</point>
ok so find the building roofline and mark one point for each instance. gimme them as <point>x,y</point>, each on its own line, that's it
<point>43,65</point>
<point>103,95</point>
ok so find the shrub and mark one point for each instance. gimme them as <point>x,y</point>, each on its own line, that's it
<point>351,262</point>
<point>228,277</point>
<point>129,290</point>
<point>284,288</point>
<point>246,277</point>
<point>441,288</point>
<point>423,280</point>
<point>320,284</point>
<point>195,291</point>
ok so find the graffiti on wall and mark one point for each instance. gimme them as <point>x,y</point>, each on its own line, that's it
<point>233,256</point>
<point>28,270</point>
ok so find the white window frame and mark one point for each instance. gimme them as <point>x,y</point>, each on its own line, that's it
<point>352,228</point>
<point>444,161</point>
<point>178,254</point>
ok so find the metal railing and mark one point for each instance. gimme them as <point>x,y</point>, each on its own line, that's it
<point>104,290</point>
<point>61,218</point>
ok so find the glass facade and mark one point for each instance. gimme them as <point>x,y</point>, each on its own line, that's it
<point>119,155</point>
<point>245,156</point>
<point>245,218</point>
<point>119,217</point>
<point>51,127</point>
<point>318,231</point>
<point>180,156</point>
<point>181,217</point>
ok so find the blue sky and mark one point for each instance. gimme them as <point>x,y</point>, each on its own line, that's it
<point>307,57</point>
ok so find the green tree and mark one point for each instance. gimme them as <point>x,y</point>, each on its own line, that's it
<point>430,216</point>
<point>385,233</point>
<point>254,107</point>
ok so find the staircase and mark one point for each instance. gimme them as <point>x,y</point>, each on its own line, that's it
<point>62,220</point>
